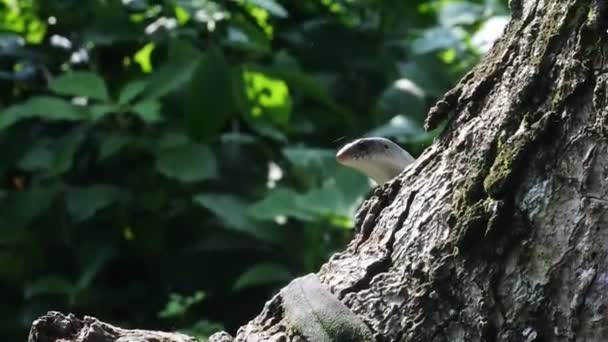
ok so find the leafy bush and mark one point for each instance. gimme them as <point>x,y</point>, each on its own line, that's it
<point>169,163</point>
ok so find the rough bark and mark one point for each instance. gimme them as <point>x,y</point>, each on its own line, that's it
<point>499,231</point>
<point>55,326</point>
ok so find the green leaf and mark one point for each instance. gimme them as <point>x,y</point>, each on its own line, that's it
<point>269,97</point>
<point>83,203</point>
<point>229,208</point>
<point>148,111</point>
<point>110,24</point>
<point>428,73</point>
<point>131,90</point>
<point>98,259</point>
<point>39,157</point>
<point>271,6</point>
<point>53,156</point>
<point>209,101</point>
<point>310,87</point>
<point>279,202</point>
<point>169,78</point>
<point>233,213</point>
<point>266,129</point>
<point>400,126</point>
<point>182,51</point>
<point>263,274</point>
<point>80,83</point>
<point>203,329</point>
<point>322,201</point>
<point>21,208</point>
<point>44,107</point>
<point>178,305</point>
<point>49,285</point>
<point>66,148</point>
<point>98,111</point>
<point>143,57</point>
<point>309,157</point>
<point>173,139</point>
<point>111,144</point>
<point>460,13</point>
<point>247,37</point>
<point>187,163</point>
<point>402,97</point>
<point>438,38</point>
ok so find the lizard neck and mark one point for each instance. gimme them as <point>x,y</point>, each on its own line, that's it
<point>383,170</point>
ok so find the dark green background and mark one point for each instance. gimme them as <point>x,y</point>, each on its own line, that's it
<point>169,164</point>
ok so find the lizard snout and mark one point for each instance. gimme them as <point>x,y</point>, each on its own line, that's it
<point>342,156</point>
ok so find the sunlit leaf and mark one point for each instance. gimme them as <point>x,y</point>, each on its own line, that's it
<point>181,15</point>
<point>269,97</point>
<point>271,6</point>
<point>143,57</point>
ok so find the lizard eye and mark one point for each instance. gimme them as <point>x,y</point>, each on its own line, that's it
<point>385,146</point>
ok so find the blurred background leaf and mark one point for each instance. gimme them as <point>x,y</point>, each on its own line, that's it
<point>163,160</point>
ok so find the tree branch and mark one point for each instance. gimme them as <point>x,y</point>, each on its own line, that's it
<point>55,326</point>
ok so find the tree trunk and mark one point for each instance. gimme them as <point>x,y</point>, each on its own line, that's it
<point>499,231</point>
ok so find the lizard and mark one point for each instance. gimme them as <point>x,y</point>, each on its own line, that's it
<point>376,157</point>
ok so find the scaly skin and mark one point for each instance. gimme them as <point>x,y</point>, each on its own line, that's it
<point>378,158</point>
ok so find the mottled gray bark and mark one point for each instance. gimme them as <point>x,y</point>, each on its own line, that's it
<point>499,231</point>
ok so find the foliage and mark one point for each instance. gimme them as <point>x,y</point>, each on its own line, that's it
<point>167,161</point>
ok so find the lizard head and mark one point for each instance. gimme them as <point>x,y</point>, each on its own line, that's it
<point>379,158</point>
